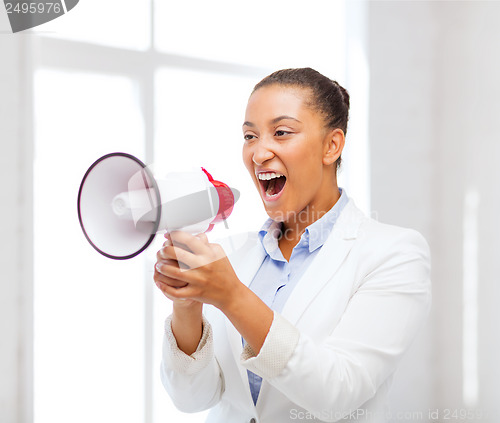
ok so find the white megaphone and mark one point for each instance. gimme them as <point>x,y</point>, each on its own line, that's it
<point>122,206</point>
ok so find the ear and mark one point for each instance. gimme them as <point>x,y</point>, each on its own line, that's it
<point>334,144</point>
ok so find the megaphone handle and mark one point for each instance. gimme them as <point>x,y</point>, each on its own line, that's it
<point>224,220</point>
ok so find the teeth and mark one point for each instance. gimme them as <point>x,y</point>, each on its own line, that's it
<point>268,175</point>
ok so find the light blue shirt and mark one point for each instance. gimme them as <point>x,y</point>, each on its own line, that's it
<point>276,278</point>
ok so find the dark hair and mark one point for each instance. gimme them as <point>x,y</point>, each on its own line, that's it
<point>328,96</point>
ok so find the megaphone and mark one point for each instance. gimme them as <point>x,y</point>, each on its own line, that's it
<point>122,206</point>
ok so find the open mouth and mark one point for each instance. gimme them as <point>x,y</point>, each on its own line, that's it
<point>272,184</point>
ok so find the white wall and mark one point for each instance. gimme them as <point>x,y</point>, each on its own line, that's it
<point>469,147</point>
<point>15,233</point>
<point>434,110</point>
<point>402,78</point>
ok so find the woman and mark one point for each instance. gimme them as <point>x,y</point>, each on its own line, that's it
<point>308,320</point>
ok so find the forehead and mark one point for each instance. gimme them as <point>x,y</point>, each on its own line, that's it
<point>279,100</point>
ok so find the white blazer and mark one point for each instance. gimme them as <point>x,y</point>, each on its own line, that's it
<point>331,353</point>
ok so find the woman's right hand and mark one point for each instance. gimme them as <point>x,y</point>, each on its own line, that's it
<point>187,318</point>
<point>161,281</point>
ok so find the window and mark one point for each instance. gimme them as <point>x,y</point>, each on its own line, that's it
<point>89,329</point>
<point>169,85</point>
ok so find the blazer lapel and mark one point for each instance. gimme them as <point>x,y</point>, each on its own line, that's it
<point>326,263</point>
<point>246,254</point>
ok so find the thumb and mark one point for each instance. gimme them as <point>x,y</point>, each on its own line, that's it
<point>203,237</point>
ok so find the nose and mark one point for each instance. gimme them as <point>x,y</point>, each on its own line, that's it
<point>262,153</point>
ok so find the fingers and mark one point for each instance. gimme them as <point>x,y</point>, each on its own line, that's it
<point>173,289</point>
<point>170,269</point>
<point>202,237</point>
<point>197,244</point>
<point>171,254</point>
<point>175,293</point>
<point>161,279</point>
<point>165,291</point>
<point>189,250</point>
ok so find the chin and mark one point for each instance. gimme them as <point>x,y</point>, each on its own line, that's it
<point>278,215</point>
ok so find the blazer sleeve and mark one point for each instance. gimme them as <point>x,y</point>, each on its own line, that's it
<point>194,382</point>
<point>338,375</point>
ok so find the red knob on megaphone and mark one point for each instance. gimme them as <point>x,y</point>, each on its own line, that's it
<point>226,200</point>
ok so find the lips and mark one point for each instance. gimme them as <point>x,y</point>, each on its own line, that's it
<point>272,184</point>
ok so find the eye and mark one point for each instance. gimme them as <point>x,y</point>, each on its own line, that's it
<point>281,133</point>
<point>249,137</point>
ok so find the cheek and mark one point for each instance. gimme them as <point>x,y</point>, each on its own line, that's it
<point>304,168</point>
<point>299,162</point>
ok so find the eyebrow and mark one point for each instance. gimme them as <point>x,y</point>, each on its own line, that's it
<point>273,121</point>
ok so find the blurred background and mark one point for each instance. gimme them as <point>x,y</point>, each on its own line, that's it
<point>168,81</point>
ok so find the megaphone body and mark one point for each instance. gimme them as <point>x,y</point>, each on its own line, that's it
<point>122,206</point>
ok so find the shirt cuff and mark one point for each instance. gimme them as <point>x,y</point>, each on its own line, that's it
<point>177,360</point>
<point>276,351</point>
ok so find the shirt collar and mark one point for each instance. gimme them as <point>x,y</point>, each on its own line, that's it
<point>268,235</point>
<point>315,234</point>
<point>318,231</point>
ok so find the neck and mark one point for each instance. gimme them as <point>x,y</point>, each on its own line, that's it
<point>295,226</point>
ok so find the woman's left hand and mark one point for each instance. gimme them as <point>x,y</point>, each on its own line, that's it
<point>203,266</point>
